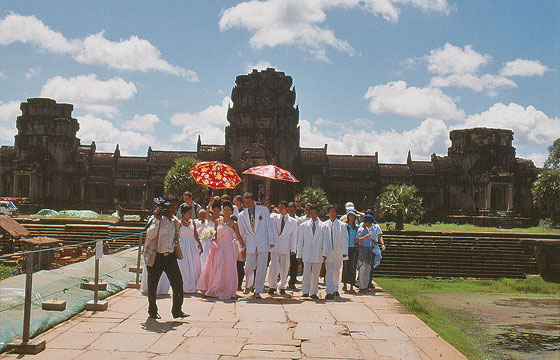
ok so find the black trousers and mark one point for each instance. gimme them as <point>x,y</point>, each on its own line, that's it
<point>167,264</point>
<point>240,272</point>
<point>293,271</point>
<point>349,267</point>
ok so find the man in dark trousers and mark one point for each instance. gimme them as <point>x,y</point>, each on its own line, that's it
<point>159,254</point>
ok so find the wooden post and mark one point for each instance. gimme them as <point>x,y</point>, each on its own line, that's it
<point>27,303</point>
<point>96,305</point>
<point>136,285</point>
<point>27,346</point>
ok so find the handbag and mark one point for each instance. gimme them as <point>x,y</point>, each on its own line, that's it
<point>178,252</point>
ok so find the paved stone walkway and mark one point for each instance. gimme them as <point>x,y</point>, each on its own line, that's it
<point>359,326</point>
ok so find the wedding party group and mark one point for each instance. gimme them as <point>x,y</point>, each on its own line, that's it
<point>239,245</point>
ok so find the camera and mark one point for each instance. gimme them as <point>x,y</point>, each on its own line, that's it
<point>165,205</point>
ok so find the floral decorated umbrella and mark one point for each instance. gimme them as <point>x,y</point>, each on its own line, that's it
<point>215,175</point>
<point>271,172</point>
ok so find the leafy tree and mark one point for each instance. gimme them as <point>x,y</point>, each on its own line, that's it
<point>178,180</point>
<point>546,194</point>
<point>402,203</point>
<point>315,196</point>
<point>553,160</point>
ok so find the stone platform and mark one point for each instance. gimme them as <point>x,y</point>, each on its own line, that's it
<point>356,326</point>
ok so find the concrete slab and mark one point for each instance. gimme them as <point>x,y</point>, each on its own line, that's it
<point>212,345</point>
<point>371,326</point>
<point>342,347</point>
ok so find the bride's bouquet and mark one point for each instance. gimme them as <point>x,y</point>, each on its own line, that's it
<point>207,234</point>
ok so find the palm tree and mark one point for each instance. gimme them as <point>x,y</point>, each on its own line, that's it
<point>178,180</point>
<point>402,203</point>
<point>316,196</point>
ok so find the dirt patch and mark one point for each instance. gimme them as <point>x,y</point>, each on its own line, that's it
<point>518,326</point>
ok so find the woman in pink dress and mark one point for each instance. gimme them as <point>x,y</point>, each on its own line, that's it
<point>219,276</point>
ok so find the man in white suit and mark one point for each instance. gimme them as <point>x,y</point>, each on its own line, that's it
<point>286,228</point>
<point>260,236</point>
<point>335,250</point>
<point>311,236</point>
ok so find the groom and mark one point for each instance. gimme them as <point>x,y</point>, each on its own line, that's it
<point>259,235</point>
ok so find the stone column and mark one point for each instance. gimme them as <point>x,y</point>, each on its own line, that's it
<point>510,197</point>
<point>488,196</point>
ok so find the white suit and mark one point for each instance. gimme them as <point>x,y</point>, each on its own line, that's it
<point>335,247</point>
<point>310,250</point>
<point>280,254</point>
<point>257,244</point>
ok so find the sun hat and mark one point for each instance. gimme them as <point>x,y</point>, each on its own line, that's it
<point>349,205</point>
<point>368,218</point>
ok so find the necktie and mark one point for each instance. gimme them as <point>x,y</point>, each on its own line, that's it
<point>332,239</point>
<point>313,228</point>
<point>282,224</point>
<point>252,215</point>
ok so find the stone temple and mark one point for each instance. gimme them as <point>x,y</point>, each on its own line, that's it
<point>479,176</point>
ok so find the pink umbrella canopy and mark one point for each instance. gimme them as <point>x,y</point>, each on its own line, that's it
<point>271,172</point>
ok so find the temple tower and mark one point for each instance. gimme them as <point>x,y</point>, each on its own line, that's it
<point>263,122</point>
<point>46,150</point>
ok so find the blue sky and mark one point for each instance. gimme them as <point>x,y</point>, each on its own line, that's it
<point>371,75</point>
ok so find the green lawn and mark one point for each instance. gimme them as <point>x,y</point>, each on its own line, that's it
<point>471,228</point>
<point>461,329</point>
<point>6,271</point>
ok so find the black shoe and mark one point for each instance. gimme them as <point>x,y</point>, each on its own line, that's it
<point>305,295</point>
<point>292,286</point>
<point>154,316</point>
<point>315,297</point>
<point>271,291</point>
<point>180,315</point>
<point>257,296</point>
<point>282,292</point>
<point>329,297</point>
<point>337,294</point>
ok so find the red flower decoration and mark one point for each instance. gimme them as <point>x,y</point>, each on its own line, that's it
<point>260,217</point>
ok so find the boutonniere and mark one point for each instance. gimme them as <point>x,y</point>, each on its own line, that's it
<point>260,217</point>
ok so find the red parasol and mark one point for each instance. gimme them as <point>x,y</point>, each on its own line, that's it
<point>271,172</point>
<point>215,175</point>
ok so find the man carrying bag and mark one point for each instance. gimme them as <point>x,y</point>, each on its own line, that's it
<point>161,251</point>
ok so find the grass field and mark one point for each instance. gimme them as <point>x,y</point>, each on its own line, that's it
<point>461,329</point>
<point>6,271</point>
<point>472,228</point>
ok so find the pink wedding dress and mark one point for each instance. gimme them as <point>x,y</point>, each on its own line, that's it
<point>219,276</point>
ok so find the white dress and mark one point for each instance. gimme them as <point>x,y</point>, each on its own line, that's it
<point>206,244</point>
<point>163,285</point>
<point>190,263</point>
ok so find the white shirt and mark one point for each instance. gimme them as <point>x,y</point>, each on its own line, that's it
<point>166,234</point>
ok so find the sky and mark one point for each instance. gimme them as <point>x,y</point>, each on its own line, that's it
<point>384,76</point>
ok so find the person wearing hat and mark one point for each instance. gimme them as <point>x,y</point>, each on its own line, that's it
<point>349,265</point>
<point>365,254</point>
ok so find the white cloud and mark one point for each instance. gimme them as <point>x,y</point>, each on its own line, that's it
<point>132,54</point>
<point>477,83</point>
<point>106,136</point>
<point>396,98</point>
<point>8,115</point>
<point>531,127</point>
<point>538,158</point>
<point>29,29</point>
<point>520,67</point>
<point>89,93</point>
<point>261,65</point>
<point>451,59</point>
<point>430,136</point>
<point>298,22</point>
<point>459,67</point>
<point>208,123</point>
<point>3,75</point>
<point>31,72</point>
<point>143,123</point>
